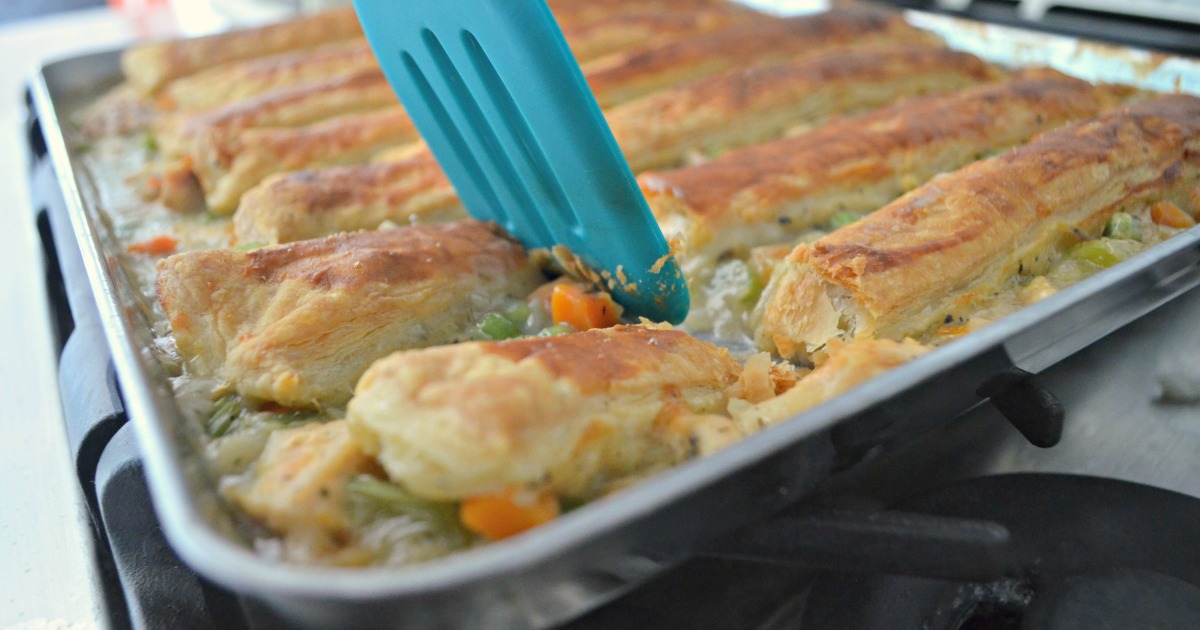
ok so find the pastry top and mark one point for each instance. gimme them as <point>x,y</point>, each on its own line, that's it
<point>620,358</point>
<point>570,412</point>
<point>294,105</point>
<point>624,29</point>
<point>950,245</point>
<point>740,184</point>
<point>627,75</point>
<point>150,66</point>
<point>298,324</point>
<point>232,82</point>
<point>808,89</point>
<point>419,252</point>
<point>891,258</point>
<point>307,204</point>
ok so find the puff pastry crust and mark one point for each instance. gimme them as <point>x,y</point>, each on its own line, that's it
<point>298,324</point>
<point>766,193</point>
<point>234,82</point>
<point>748,106</point>
<point>624,77</point>
<point>951,243</point>
<point>721,111</point>
<point>311,203</point>
<point>150,66</point>
<point>294,106</point>
<point>229,168</point>
<point>572,412</point>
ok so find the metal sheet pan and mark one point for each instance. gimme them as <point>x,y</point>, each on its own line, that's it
<point>599,551</point>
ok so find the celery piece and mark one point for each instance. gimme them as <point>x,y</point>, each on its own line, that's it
<point>496,326</point>
<point>754,287</point>
<point>842,219</point>
<point>224,412</point>
<point>556,330</point>
<point>372,498</point>
<point>1099,252</point>
<point>1124,226</point>
<point>150,142</point>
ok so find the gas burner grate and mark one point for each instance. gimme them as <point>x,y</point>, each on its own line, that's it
<point>1087,553</point>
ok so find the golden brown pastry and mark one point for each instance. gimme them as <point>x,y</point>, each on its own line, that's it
<point>298,324</point>
<point>149,66</point>
<point>632,25</point>
<point>946,246</point>
<point>747,106</point>
<point>228,158</point>
<point>294,106</point>
<point>721,111</point>
<point>626,76</point>
<point>233,82</point>
<point>306,204</point>
<point>228,168</point>
<point>571,413</point>
<point>590,36</point>
<point>770,192</point>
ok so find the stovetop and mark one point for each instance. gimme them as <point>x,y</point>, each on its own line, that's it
<point>885,514</point>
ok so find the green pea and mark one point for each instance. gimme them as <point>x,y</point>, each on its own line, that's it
<point>496,326</point>
<point>1122,225</point>
<point>518,314</point>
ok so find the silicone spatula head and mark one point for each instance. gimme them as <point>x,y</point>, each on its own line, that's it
<point>494,90</point>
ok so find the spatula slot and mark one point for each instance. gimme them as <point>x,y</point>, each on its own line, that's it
<point>492,207</point>
<point>550,190</point>
<point>505,176</point>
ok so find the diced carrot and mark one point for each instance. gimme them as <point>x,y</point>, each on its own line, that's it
<point>157,246</point>
<point>499,516</point>
<point>572,305</point>
<point>1170,215</point>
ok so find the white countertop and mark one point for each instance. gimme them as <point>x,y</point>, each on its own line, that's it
<point>46,570</point>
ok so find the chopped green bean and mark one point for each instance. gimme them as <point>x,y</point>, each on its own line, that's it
<point>1124,226</point>
<point>496,326</point>
<point>842,219</point>
<point>224,412</point>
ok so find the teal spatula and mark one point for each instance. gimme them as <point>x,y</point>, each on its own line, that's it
<point>494,90</point>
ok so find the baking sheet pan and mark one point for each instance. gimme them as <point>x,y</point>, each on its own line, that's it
<point>597,552</point>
